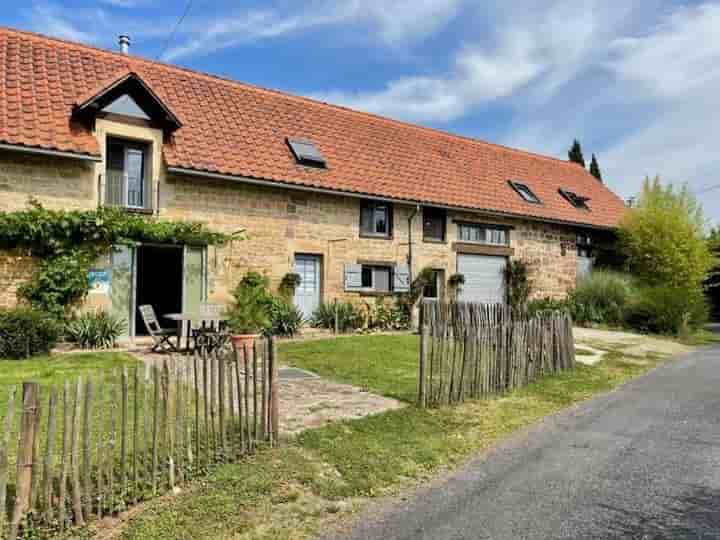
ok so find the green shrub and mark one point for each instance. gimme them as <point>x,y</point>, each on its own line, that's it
<point>601,297</point>
<point>285,318</point>
<point>384,317</point>
<point>324,316</point>
<point>26,332</point>
<point>664,238</point>
<point>668,310</point>
<point>517,283</point>
<point>95,330</point>
<point>250,310</point>
<point>540,305</point>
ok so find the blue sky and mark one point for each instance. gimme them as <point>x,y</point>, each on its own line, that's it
<point>637,82</point>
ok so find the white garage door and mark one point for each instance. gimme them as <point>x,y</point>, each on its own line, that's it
<point>483,278</point>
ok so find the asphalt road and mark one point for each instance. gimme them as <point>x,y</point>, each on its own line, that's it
<point>642,462</point>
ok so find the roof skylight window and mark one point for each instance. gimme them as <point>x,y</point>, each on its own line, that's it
<point>525,192</point>
<point>578,201</point>
<point>306,153</point>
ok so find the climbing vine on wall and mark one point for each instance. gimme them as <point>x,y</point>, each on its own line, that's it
<point>68,243</point>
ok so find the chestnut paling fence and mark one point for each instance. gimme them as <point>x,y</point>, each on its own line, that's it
<point>471,350</point>
<point>95,446</point>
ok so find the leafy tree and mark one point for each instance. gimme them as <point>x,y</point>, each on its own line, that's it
<point>575,154</point>
<point>663,238</point>
<point>595,168</point>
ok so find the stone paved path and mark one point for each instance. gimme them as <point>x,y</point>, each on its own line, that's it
<point>310,401</point>
<point>315,402</point>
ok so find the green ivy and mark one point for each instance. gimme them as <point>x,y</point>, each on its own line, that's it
<point>68,243</point>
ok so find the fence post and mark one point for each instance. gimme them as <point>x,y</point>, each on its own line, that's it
<point>422,390</point>
<point>28,424</point>
<point>8,424</point>
<point>274,403</point>
<point>337,321</point>
<point>50,455</point>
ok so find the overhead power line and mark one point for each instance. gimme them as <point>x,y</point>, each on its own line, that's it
<point>168,41</point>
<point>707,188</point>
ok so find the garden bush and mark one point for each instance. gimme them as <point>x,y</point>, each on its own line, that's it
<point>539,305</point>
<point>386,317</point>
<point>348,319</point>
<point>601,297</point>
<point>664,238</point>
<point>517,283</point>
<point>668,310</point>
<point>95,330</point>
<point>285,318</point>
<point>26,332</point>
<point>251,307</point>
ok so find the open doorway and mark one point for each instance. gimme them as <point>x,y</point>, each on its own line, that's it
<point>159,283</point>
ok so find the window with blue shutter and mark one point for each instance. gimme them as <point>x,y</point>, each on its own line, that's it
<point>353,277</point>
<point>401,282</point>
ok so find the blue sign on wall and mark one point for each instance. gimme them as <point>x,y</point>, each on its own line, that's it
<point>99,281</point>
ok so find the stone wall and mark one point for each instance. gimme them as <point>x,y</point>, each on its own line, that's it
<point>15,268</point>
<point>55,182</point>
<point>279,223</point>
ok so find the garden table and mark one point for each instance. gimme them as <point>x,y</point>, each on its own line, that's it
<point>185,322</point>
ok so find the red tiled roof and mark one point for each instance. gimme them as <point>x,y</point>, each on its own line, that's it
<point>239,129</point>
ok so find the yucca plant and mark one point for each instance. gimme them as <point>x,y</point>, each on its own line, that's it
<point>347,316</point>
<point>95,330</point>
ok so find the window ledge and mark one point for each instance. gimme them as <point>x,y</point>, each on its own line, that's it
<point>376,293</point>
<point>474,248</point>
<point>130,210</point>
<point>434,241</point>
<point>376,236</point>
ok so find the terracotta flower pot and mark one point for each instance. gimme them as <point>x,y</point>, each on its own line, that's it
<point>240,341</point>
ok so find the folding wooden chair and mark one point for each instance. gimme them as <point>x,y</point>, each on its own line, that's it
<point>161,336</point>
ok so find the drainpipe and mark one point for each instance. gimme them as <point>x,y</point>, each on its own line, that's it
<point>411,217</point>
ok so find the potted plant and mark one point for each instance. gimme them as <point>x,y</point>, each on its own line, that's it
<point>249,314</point>
<point>455,283</point>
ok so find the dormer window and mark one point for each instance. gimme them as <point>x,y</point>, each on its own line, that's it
<point>126,106</point>
<point>525,192</point>
<point>129,96</point>
<point>126,175</point>
<point>578,201</point>
<point>306,153</point>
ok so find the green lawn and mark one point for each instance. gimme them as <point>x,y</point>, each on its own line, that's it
<point>382,364</point>
<point>298,489</point>
<point>52,371</point>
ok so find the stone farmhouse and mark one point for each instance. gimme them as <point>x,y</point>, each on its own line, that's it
<point>354,203</point>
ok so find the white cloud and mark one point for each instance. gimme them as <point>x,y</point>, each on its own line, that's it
<point>677,66</point>
<point>49,20</point>
<point>393,23</point>
<point>681,53</point>
<point>531,55</point>
<point>477,77</point>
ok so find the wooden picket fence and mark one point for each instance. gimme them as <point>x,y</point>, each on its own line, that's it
<point>473,350</point>
<point>94,447</point>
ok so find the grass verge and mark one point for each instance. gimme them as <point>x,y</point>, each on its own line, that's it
<point>295,491</point>
<point>52,371</point>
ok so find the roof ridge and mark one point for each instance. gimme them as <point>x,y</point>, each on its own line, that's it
<point>132,59</point>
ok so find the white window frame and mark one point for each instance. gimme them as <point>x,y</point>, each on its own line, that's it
<point>378,267</point>
<point>488,235</point>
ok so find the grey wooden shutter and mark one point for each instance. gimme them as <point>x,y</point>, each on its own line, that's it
<point>401,281</point>
<point>353,277</point>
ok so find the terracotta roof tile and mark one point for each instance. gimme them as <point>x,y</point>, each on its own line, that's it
<point>239,129</point>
